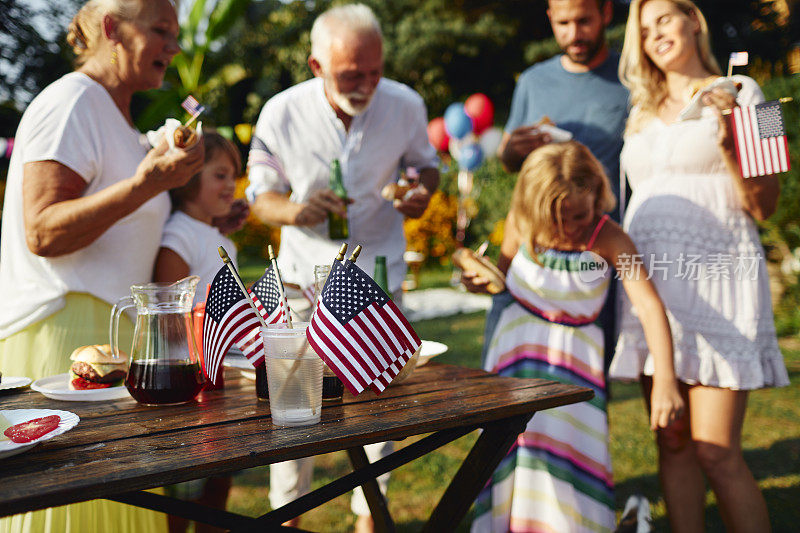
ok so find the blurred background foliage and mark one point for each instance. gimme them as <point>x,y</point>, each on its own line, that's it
<point>236,54</point>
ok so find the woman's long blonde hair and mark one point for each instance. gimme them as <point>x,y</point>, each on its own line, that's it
<point>642,77</point>
<point>85,30</point>
<point>548,176</point>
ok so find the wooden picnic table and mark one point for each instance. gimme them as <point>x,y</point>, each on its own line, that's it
<point>120,448</point>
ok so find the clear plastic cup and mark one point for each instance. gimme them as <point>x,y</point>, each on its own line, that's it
<point>294,375</point>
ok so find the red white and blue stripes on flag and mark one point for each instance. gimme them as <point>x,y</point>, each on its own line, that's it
<point>192,106</point>
<point>229,319</point>
<point>269,303</point>
<point>359,332</point>
<point>760,135</point>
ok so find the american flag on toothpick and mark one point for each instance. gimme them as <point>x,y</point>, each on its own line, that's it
<point>359,332</point>
<point>192,106</point>
<point>260,154</point>
<point>738,59</point>
<point>760,135</point>
<point>229,319</point>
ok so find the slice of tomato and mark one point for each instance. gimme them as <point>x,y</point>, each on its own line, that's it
<point>32,429</point>
<point>82,384</point>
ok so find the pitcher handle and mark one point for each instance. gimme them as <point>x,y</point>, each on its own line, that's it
<point>113,325</point>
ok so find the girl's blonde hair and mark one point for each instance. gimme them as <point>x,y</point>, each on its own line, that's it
<point>548,176</point>
<point>214,144</point>
<point>85,31</point>
<point>642,77</point>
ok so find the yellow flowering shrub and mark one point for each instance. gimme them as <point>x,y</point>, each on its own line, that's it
<point>433,234</point>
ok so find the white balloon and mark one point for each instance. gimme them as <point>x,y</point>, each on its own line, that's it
<point>490,141</point>
<point>455,148</point>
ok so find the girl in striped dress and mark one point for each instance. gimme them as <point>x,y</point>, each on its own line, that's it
<point>557,246</point>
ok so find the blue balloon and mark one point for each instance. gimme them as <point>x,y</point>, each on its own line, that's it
<point>456,121</point>
<point>470,157</point>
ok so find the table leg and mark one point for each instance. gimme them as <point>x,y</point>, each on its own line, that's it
<point>490,448</point>
<point>372,493</point>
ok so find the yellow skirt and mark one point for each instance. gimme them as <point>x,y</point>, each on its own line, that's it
<point>43,349</point>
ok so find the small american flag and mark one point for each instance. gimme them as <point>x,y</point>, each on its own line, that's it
<point>267,296</point>
<point>760,135</point>
<point>738,59</point>
<point>229,319</point>
<point>359,332</point>
<point>260,154</point>
<point>192,106</point>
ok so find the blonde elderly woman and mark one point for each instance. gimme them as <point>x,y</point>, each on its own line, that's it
<point>691,217</point>
<point>85,204</point>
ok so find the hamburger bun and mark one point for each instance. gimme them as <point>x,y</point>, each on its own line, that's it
<point>95,367</point>
<point>185,137</point>
<point>395,191</point>
<point>469,261</point>
<point>713,82</point>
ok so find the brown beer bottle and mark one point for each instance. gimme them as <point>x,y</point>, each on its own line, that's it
<point>337,225</point>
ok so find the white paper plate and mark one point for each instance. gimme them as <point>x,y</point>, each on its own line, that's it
<point>429,350</point>
<point>17,416</point>
<point>10,382</point>
<point>57,388</point>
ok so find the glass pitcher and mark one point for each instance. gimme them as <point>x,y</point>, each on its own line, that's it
<point>165,366</point>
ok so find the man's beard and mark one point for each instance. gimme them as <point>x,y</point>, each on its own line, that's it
<point>584,58</point>
<point>342,100</point>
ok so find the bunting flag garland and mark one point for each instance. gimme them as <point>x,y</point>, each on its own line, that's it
<point>760,135</point>
<point>359,332</point>
<point>229,319</point>
<point>260,154</point>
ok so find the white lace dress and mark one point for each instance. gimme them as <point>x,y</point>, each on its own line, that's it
<point>705,258</point>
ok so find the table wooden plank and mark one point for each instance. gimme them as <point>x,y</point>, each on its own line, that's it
<point>121,446</point>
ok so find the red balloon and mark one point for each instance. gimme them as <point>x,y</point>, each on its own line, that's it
<point>481,110</point>
<point>437,135</point>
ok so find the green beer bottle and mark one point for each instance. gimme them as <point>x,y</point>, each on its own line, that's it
<point>381,276</point>
<point>337,225</point>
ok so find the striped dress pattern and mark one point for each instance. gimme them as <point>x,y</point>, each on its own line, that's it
<point>557,475</point>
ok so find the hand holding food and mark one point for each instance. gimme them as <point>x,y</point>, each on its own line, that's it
<point>469,261</point>
<point>95,367</point>
<point>395,191</point>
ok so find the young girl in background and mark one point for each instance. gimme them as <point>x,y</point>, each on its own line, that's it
<point>189,242</point>
<point>557,245</point>
<point>189,247</point>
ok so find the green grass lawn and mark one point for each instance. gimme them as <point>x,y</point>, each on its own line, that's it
<point>771,442</point>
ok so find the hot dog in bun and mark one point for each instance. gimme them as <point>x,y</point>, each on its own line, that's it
<point>185,137</point>
<point>469,261</point>
<point>94,367</point>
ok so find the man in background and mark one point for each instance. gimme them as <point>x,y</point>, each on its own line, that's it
<point>374,127</point>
